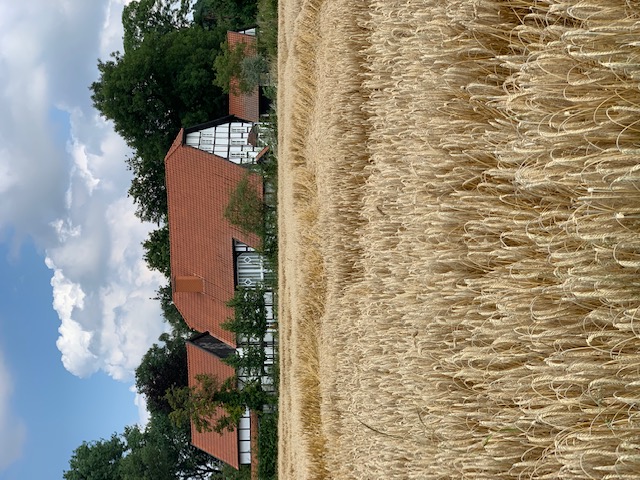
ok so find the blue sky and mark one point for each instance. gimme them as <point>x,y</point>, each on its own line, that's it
<point>53,411</point>
<point>76,313</point>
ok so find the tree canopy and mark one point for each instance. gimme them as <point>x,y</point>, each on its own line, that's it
<point>152,16</point>
<point>227,14</point>
<point>163,451</point>
<point>160,451</point>
<point>149,93</point>
<point>157,251</point>
<point>201,404</point>
<point>163,367</point>
<point>98,460</point>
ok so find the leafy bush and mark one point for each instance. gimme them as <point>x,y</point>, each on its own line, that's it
<point>268,446</point>
<point>199,404</point>
<point>239,69</point>
<point>249,323</point>
<point>255,71</point>
<point>250,313</point>
<point>230,473</point>
<point>245,208</point>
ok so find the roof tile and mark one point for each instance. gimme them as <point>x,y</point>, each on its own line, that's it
<point>223,446</point>
<point>199,186</point>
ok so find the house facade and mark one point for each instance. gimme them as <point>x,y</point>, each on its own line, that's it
<point>202,241</point>
<point>210,257</point>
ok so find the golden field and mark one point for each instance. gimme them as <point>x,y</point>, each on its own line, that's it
<point>459,253</point>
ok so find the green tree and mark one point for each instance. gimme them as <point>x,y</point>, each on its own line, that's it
<point>228,65</point>
<point>160,451</point>
<point>98,460</point>
<point>162,81</point>
<point>163,451</point>
<point>202,403</point>
<point>149,93</point>
<point>249,313</point>
<point>242,63</point>
<point>250,322</point>
<point>255,71</point>
<point>162,368</point>
<point>225,14</point>
<point>157,251</point>
<point>156,16</point>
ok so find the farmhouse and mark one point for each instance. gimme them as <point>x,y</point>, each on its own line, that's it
<point>245,105</point>
<point>210,256</point>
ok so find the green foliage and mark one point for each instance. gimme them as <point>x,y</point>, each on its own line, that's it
<point>249,362</point>
<point>152,16</point>
<point>249,322</point>
<point>245,208</point>
<point>226,14</point>
<point>150,456</point>
<point>268,168</point>
<point>157,251</point>
<point>161,451</point>
<point>98,460</point>
<point>230,473</point>
<point>268,29</point>
<point>255,70</point>
<point>254,397</point>
<point>162,368</point>
<point>268,446</point>
<point>201,403</point>
<point>147,188</point>
<point>250,314</point>
<point>242,63</point>
<point>154,88</point>
<point>228,65</point>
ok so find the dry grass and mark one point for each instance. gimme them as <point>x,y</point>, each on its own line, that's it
<point>460,207</point>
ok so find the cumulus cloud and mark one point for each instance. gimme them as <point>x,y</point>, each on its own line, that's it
<point>102,289</point>
<point>143,413</point>
<point>41,68</point>
<point>63,182</point>
<point>12,430</point>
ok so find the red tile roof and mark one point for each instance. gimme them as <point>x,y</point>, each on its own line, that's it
<point>243,105</point>
<point>199,186</point>
<point>223,446</point>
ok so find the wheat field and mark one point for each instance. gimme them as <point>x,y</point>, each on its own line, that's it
<point>459,214</point>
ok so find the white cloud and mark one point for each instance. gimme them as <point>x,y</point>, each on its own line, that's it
<point>75,344</point>
<point>102,289</point>
<point>63,182</point>
<point>81,167</point>
<point>67,296</point>
<point>143,413</point>
<point>13,432</point>
<point>41,66</point>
